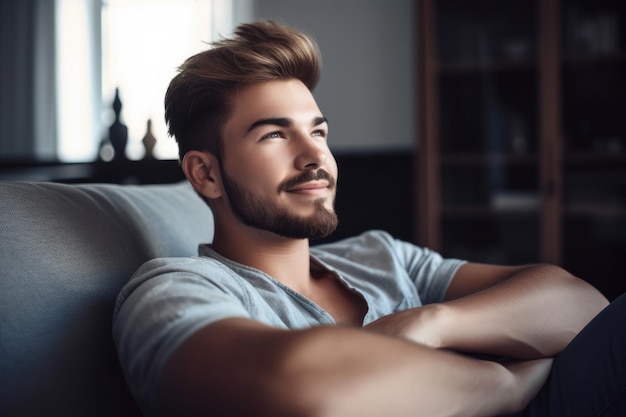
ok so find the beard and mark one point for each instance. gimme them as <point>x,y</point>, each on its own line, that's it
<point>263,212</point>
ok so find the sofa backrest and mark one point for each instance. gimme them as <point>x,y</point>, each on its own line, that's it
<point>65,252</point>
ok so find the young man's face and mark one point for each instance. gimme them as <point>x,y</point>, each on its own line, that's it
<point>278,172</point>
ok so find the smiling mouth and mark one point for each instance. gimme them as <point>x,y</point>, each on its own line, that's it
<point>312,186</point>
<point>309,182</point>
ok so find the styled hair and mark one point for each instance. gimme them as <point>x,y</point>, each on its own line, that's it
<point>198,100</point>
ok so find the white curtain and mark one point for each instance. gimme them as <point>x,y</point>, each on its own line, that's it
<point>77,89</point>
<point>52,84</point>
<point>144,42</point>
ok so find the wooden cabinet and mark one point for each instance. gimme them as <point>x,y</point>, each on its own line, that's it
<point>522,139</point>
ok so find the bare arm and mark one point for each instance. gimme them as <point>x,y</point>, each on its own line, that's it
<point>520,312</point>
<point>241,367</point>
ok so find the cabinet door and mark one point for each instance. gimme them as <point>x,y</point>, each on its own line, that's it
<point>593,106</point>
<point>484,148</point>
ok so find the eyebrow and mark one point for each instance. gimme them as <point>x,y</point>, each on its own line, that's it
<point>282,122</point>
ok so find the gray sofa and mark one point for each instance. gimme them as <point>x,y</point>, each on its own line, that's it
<point>65,252</point>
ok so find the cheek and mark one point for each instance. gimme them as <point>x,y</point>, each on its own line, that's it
<point>256,174</point>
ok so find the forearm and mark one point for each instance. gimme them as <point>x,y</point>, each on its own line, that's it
<point>535,313</point>
<point>337,372</point>
<point>374,376</point>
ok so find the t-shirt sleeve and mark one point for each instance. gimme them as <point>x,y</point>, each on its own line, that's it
<point>430,272</point>
<point>165,302</point>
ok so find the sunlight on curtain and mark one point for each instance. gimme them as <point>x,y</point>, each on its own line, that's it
<point>77,79</point>
<point>143,43</point>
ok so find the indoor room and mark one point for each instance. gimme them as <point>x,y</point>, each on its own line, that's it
<point>487,131</point>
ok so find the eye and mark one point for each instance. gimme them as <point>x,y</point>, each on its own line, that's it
<point>273,135</point>
<point>320,133</point>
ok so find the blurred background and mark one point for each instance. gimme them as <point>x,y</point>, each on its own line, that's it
<point>490,130</point>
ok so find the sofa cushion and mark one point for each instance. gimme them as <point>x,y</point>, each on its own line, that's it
<point>66,251</point>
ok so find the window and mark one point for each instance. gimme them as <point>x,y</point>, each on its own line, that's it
<point>77,79</point>
<point>133,45</point>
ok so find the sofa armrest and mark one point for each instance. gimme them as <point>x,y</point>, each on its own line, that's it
<point>66,251</point>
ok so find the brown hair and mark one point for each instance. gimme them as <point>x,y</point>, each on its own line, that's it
<point>198,99</point>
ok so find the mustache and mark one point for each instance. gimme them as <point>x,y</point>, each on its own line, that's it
<point>307,176</point>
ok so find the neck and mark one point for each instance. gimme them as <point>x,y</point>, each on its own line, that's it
<point>284,259</point>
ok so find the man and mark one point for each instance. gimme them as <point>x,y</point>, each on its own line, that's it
<point>263,324</point>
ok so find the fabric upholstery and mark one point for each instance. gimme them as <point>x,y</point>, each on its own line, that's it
<point>65,252</point>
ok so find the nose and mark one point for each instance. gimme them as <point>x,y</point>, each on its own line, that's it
<point>312,153</point>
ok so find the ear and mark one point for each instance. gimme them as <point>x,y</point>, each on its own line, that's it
<point>202,171</point>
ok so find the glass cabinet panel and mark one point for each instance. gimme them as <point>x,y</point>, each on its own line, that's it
<point>488,142</point>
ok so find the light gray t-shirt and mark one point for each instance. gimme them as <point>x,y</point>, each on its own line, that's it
<point>169,299</point>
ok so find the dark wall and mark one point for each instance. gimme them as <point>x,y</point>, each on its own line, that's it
<point>375,188</point>
<point>375,191</point>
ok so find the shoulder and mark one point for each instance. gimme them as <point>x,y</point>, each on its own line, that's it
<point>166,301</point>
<point>378,254</point>
<point>169,284</point>
<point>176,270</point>
<point>371,253</point>
<point>367,241</point>
<point>372,247</point>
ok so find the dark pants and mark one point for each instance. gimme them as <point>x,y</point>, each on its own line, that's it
<point>589,377</point>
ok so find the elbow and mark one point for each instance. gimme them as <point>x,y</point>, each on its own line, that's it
<point>590,300</point>
<point>585,296</point>
<point>579,302</point>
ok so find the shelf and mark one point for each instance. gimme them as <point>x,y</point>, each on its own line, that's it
<point>127,172</point>
<point>464,67</point>
<point>486,211</point>
<point>596,210</point>
<point>522,144</point>
<point>592,59</point>
<point>588,159</point>
<point>472,159</point>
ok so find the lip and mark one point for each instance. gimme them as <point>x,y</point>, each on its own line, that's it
<point>309,187</point>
